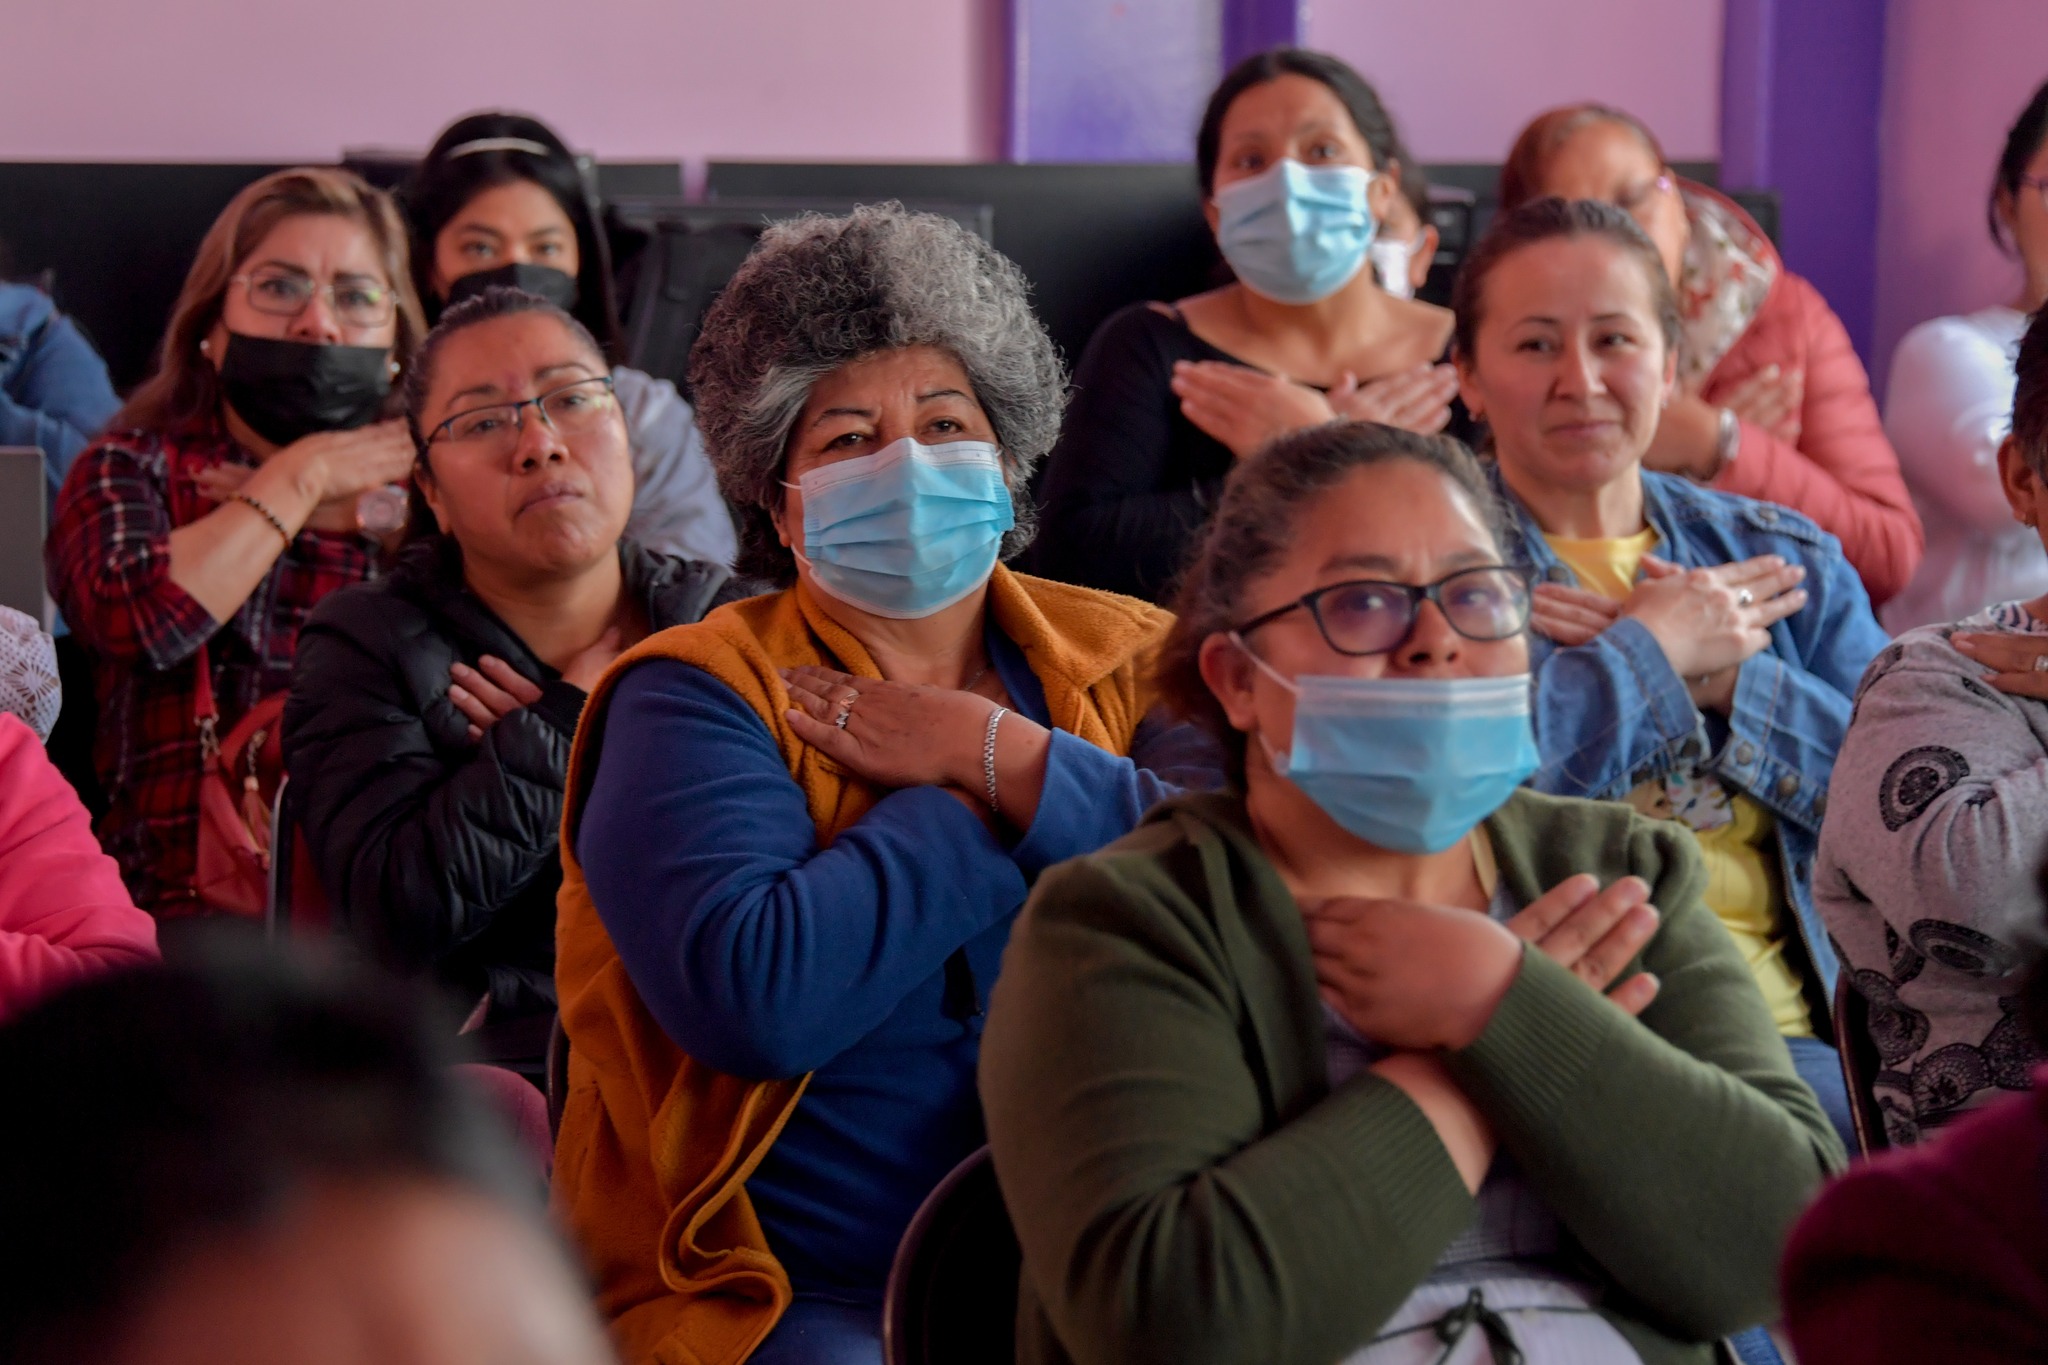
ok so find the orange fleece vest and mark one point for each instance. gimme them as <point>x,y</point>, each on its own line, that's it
<point>656,1147</point>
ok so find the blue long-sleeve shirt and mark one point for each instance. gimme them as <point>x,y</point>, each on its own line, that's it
<point>54,390</point>
<point>764,955</point>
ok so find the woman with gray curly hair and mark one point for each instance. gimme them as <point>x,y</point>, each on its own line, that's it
<point>798,831</point>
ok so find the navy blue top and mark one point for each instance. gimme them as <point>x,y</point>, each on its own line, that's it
<point>764,955</point>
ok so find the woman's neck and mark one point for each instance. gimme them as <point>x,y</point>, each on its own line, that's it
<point>559,616</point>
<point>1609,512</point>
<point>245,436</point>
<point>1330,325</point>
<point>944,649</point>
<point>1317,858</point>
<point>2033,290</point>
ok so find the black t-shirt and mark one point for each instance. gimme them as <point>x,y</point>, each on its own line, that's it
<point>1130,485</point>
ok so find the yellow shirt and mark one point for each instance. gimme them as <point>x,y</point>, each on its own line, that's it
<point>1742,869</point>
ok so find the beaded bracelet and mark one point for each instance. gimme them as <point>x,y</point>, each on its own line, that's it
<point>264,512</point>
<point>988,756</point>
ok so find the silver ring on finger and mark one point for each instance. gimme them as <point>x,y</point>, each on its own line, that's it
<point>845,714</point>
<point>1744,597</point>
<point>2040,664</point>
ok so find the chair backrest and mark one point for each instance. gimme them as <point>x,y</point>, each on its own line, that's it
<point>24,498</point>
<point>692,250</point>
<point>952,1295</point>
<point>298,902</point>
<point>1860,1065</point>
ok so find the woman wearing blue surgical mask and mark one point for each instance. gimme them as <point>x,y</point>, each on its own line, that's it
<point>797,831</point>
<point>1378,1058</point>
<point>1300,170</point>
<point>1695,651</point>
<point>500,200</point>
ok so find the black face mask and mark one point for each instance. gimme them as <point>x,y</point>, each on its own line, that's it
<point>288,389</point>
<point>542,281</point>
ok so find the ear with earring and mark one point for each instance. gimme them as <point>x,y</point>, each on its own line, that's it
<point>206,345</point>
<point>2028,518</point>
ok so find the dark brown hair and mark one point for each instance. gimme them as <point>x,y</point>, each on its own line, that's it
<point>2022,141</point>
<point>2030,395</point>
<point>185,393</point>
<point>1352,90</point>
<point>1542,220</point>
<point>1521,175</point>
<point>1262,503</point>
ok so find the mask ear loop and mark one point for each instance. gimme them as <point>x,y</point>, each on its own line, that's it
<point>1273,760</point>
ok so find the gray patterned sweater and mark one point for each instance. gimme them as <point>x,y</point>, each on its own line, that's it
<point>1930,870</point>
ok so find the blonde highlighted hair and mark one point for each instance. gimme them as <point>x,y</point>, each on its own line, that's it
<point>184,391</point>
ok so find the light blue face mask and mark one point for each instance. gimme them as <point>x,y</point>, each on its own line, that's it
<point>1408,764</point>
<point>1295,233</point>
<point>909,530</point>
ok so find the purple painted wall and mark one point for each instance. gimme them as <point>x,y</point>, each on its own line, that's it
<point>1957,76</point>
<point>1110,80</point>
<point>264,80</point>
<point>1462,76</point>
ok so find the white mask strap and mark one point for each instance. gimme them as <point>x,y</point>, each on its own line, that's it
<point>1264,667</point>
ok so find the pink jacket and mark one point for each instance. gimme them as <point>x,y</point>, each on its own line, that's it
<point>64,911</point>
<point>1843,472</point>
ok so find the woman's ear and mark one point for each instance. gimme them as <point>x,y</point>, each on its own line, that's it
<point>1422,255</point>
<point>423,479</point>
<point>1210,215</point>
<point>1468,383</point>
<point>2004,207</point>
<point>1380,194</point>
<point>1229,673</point>
<point>2025,490</point>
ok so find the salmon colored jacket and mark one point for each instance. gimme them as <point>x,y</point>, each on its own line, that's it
<point>1842,472</point>
<point>656,1147</point>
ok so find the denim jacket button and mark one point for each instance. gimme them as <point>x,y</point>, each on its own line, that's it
<point>1745,753</point>
<point>1788,785</point>
<point>1557,573</point>
<point>1820,805</point>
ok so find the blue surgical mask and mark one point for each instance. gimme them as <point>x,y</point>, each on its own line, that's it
<point>1295,233</point>
<point>909,530</point>
<point>1408,764</point>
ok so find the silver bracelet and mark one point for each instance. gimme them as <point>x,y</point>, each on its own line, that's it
<point>988,756</point>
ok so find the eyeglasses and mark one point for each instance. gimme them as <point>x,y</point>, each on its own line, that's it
<point>285,294</point>
<point>572,410</point>
<point>1369,616</point>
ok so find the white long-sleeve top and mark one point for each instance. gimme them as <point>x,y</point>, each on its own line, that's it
<point>1948,408</point>
<point>676,505</point>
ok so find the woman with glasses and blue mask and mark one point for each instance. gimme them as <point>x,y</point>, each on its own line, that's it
<point>1695,652</point>
<point>797,832</point>
<point>427,734</point>
<point>1300,169</point>
<point>241,484</point>
<point>1380,1057</point>
<point>501,201</point>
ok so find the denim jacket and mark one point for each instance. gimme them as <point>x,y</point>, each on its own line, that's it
<point>54,390</point>
<point>1613,713</point>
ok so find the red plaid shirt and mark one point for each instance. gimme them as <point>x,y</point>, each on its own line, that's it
<point>109,558</point>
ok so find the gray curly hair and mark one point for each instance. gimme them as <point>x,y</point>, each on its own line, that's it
<point>819,293</point>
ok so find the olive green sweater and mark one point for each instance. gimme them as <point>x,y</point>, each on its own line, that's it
<point>1188,1188</point>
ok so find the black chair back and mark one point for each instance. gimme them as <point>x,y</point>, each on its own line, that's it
<point>952,1295</point>
<point>1860,1064</point>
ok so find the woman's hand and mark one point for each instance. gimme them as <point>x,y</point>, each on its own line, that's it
<point>489,692</point>
<point>1708,621</point>
<point>1417,400</point>
<point>1245,408</point>
<point>1409,975</point>
<point>896,734</point>
<point>1571,616</point>
<point>218,483</point>
<point>2016,661</point>
<point>1595,933</point>
<point>1771,398</point>
<point>341,466</point>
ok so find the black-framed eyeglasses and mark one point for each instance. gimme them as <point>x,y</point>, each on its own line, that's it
<point>1372,616</point>
<point>285,293</point>
<point>571,410</point>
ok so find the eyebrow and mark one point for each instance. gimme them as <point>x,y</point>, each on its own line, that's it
<point>488,390</point>
<point>1380,564</point>
<point>293,268</point>
<point>1623,316</point>
<point>873,412</point>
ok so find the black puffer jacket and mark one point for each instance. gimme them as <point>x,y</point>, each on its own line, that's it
<point>438,853</point>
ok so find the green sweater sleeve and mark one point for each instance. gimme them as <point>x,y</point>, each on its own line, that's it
<point>1678,1148</point>
<point>1166,1212</point>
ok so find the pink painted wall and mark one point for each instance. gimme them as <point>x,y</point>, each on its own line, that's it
<point>1462,76</point>
<point>1956,76</point>
<point>287,80</point>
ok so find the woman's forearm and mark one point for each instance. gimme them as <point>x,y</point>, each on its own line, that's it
<point>1459,1125</point>
<point>220,558</point>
